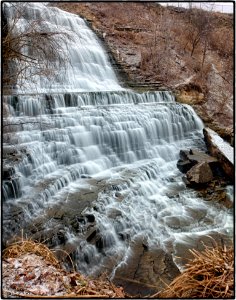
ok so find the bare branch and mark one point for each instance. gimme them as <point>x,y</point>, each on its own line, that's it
<point>29,50</point>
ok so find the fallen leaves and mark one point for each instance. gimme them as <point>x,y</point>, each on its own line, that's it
<point>33,275</point>
<point>27,274</point>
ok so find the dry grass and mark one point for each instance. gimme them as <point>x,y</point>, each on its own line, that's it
<point>27,246</point>
<point>210,274</point>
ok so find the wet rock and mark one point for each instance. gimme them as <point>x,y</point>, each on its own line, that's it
<point>92,233</point>
<point>80,219</point>
<point>196,213</point>
<point>12,188</point>
<point>120,196</point>
<point>8,172</point>
<point>184,165</point>
<point>200,173</point>
<point>177,222</point>
<point>183,154</point>
<point>116,188</point>
<point>90,218</point>
<point>143,274</point>
<point>66,252</point>
<point>113,213</point>
<point>100,242</point>
<point>194,241</point>
<point>216,191</point>
<point>54,235</point>
<point>60,238</point>
<point>124,236</point>
<point>198,156</point>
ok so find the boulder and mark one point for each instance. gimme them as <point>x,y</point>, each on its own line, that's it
<point>184,165</point>
<point>183,154</point>
<point>190,158</point>
<point>200,173</point>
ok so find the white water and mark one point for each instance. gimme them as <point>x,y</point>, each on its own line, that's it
<point>131,141</point>
<point>87,68</point>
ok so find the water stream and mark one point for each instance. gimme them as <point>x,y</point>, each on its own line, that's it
<point>95,164</point>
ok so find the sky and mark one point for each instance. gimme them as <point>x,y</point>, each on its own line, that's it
<point>225,7</point>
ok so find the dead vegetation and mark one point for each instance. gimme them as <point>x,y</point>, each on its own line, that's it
<point>27,246</point>
<point>31,270</point>
<point>166,36</point>
<point>210,274</point>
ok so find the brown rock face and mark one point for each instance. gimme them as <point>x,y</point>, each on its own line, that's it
<point>200,173</point>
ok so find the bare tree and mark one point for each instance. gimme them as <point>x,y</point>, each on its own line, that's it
<point>28,49</point>
<point>200,26</point>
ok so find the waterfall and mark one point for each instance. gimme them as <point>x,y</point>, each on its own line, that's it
<point>95,163</point>
<point>86,67</point>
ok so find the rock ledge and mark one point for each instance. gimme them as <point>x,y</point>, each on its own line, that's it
<point>221,150</point>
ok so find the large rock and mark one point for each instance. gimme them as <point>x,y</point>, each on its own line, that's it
<point>221,150</point>
<point>184,165</point>
<point>190,158</point>
<point>200,173</point>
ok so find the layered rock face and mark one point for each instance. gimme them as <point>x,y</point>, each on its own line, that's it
<point>221,150</point>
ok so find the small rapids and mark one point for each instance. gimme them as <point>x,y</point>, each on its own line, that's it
<point>92,166</point>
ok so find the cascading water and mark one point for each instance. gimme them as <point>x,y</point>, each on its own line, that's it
<point>95,164</point>
<point>87,69</point>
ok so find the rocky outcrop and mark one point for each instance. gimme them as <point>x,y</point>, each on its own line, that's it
<point>189,93</point>
<point>221,150</point>
<point>205,174</point>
